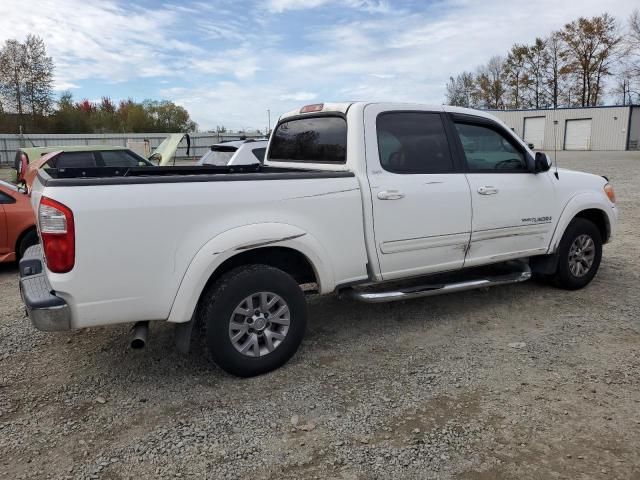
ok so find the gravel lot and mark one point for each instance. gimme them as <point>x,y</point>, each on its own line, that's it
<point>521,382</point>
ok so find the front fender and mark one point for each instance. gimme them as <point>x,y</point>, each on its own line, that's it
<point>239,240</point>
<point>578,203</point>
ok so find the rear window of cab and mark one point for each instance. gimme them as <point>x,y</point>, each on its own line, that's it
<point>310,139</point>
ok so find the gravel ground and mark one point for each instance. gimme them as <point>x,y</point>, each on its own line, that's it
<point>517,382</point>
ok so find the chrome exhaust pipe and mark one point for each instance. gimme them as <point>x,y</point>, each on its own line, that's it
<point>139,336</point>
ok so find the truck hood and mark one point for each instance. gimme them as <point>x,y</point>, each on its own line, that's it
<point>581,178</point>
<point>167,149</point>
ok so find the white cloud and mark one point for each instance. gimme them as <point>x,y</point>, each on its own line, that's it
<point>371,6</point>
<point>104,39</point>
<point>229,63</point>
<point>298,96</point>
<point>282,5</point>
<point>62,85</point>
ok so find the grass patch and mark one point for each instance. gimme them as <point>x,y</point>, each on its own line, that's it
<point>8,174</point>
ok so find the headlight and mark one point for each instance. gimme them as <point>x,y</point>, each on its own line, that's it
<point>608,189</point>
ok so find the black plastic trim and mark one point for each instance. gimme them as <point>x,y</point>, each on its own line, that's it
<point>195,176</point>
<point>36,293</point>
<point>31,261</point>
<point>551,108</point>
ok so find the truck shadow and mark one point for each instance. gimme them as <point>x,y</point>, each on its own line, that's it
<point>337,328</point>
<point>9,268</point>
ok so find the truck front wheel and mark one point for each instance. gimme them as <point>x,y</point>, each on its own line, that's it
<point>579,255</point>
<point>255,317</point>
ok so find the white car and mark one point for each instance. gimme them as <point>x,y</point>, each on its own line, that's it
<point>238,152</point>
<point>375,201</point>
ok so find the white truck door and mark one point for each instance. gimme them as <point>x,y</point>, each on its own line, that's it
<point>514,210</point>
<point>421,199</point>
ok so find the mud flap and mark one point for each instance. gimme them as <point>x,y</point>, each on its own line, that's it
<point>544,264</point>
<point>183,335</point>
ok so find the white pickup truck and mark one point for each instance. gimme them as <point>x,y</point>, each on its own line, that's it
<point>377,201</point>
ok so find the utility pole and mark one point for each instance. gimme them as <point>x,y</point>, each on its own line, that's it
<point>268,121</point>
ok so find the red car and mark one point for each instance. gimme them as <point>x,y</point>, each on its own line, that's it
<point>17,223</point>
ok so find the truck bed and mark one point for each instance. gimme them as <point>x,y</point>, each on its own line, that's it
<point>138,230</point>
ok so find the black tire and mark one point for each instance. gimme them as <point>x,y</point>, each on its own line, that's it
<point>221,300</point>
<point>29,239</point>
<point>564,278</point>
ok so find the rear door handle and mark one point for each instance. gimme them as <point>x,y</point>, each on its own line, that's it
<point>390,195</point>
<point>487,190</point>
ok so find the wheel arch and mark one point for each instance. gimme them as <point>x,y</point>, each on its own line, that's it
<point>588,206</point>
<point>282,246</point>
<point>600,219</point>
<point>23,234</point>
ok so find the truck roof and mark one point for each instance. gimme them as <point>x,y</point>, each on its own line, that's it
<point>342,107</point>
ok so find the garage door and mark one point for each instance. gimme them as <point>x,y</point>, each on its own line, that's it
<point>578,135</point>
<point>534,131</point>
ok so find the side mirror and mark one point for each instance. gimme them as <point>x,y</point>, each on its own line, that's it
<point>542,162</point>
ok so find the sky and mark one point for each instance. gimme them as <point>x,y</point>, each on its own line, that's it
<point>229,61</point>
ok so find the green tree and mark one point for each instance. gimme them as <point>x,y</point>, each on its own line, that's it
<point>166,116</point>
<point>68,118</point>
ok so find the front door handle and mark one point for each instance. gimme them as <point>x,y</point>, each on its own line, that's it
<point>390,195</point>
<point>487,190</point>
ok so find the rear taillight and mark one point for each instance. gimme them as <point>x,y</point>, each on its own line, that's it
<point>55,222</point>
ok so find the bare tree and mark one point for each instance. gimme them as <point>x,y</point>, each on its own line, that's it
<point>556,71</point>
<point>591,46</point>
<point>516,75</point>
<point>536,62</point>
<point>26,77</point>
<point>12,85</point>
<point>490,82</point>
<point>460,90</point>
<point>633,40</point>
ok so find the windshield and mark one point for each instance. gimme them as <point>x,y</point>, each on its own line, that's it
<point>216,157</point>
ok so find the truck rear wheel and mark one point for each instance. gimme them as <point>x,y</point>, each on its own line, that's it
<point>579,255</point>
<point>255,317</point>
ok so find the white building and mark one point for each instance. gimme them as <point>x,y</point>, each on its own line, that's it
<point>590,128</point>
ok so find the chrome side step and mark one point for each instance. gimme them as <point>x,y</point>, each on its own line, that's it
<point>438,289</point>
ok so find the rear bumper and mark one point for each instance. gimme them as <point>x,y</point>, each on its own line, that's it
<point>47,311</point>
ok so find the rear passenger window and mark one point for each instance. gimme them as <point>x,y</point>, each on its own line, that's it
<point>75,159</point>
<point>413,142</point>
<point>314,139</point>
